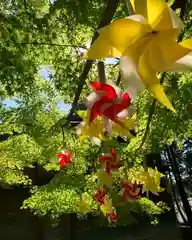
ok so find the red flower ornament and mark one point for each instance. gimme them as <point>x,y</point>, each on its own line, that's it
<point>108,103</point>
<point>100,196</point>
<point>113,217</point>
<point>130,191</point>
<point>111,161</point>
<point>64,159</point>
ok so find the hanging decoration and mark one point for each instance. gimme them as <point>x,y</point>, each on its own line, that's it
<point>93,130</point>
<point>146,43</point>
<point>100,196</point>
<point>130,191</point>
<point>64,159</point>
<point>107,113</point>
<point>107,102</point>
<point>111,161</point>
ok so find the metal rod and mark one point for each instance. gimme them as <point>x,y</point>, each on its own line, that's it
<point>179,183</point>
<point>101,72</point>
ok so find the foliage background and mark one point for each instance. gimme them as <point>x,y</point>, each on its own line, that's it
<point>35,34</point>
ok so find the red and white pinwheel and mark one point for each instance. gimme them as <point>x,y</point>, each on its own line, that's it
<point>130,191</point>
<point>113,217</point>
<point>100,196</point>
<point>64,159</point>
<point>111,161</point>
<point>108,102</point>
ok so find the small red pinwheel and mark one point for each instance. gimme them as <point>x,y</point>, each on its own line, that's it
<point>110,161</point>
<point>113,217</point>
<point>100,196</point>
<point>64,159</point>
<point>131,191</point>
<point>110,103</point>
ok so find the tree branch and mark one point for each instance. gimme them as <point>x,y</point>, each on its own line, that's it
<point>25,4</point>
<point>106,19</point>
<point>182,5</point>
<point>53,44</point>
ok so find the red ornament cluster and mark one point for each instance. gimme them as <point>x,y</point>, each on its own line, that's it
<point>109,103</point>
<point>100,196</point>
<point>64,159</point>
<point>110,161</point>
<point>113,217</point>
<point>131,191</point>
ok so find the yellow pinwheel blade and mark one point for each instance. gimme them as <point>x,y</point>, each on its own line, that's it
<point>159,94</point>
<point>169,52</point>
<point>149,78</point>
<point>163,50</point>
<point>103,179</point>
<point>179,58</point>
<point>101,48</point>
<point>82,114</point>
<point>116,38</point>
<point>155,11</point>
<point>128,124</point>
<point>187,44</point>
<point>84,206</point>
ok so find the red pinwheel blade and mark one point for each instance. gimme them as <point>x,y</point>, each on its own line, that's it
<point>131,191</point>
<point>126,100</point>
<point>112,111</point>
<point>96,108</point>
<point>115,166</point>
<point>62,163</point>
<point>113,152</point>
<point>105,158</point>
<point>108,89</point>
<point>68,156</point>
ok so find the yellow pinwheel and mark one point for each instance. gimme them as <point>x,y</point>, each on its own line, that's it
<point>125,124</point>
<point>83,206</point>
<point>103,179</point>
<point>107,207</point>
<point>93,130</point>
<point>152,181</point>
<point>147,44</point>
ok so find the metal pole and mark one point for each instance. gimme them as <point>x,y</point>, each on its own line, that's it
<point>101,72</point>
<point>179,183</point>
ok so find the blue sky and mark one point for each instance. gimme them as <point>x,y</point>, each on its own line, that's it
<point>10,103</point>
<point>45,72</point>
